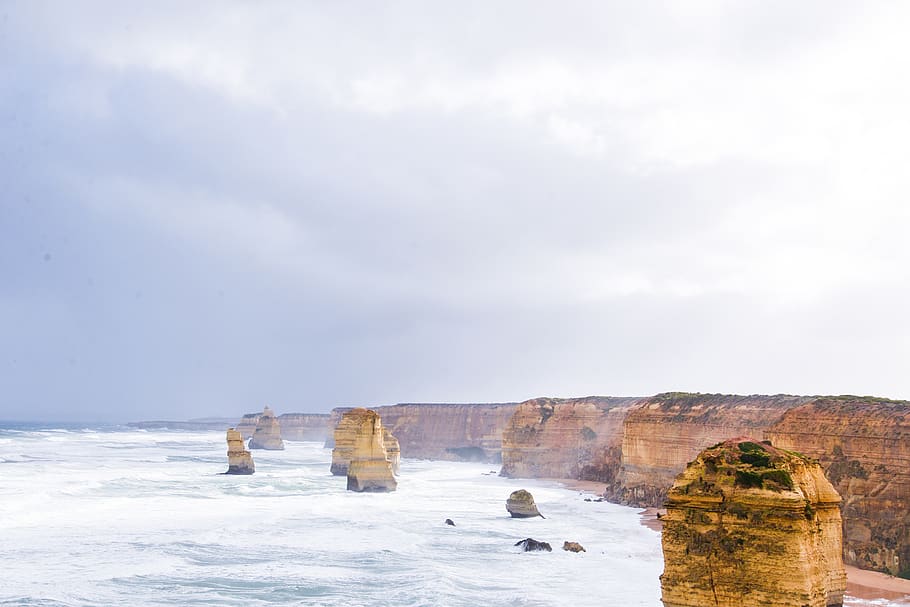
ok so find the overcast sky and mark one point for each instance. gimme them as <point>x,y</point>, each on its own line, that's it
<point>206,208</point>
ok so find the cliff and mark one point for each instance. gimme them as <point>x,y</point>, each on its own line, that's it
<point>268,432</point>
<point>239,459</point>
<point>751,525</point>
<point>448,431</point>
<point>294,426</point>
<point>578,438</point>
<point>662,433</point>
<point>864,446</point>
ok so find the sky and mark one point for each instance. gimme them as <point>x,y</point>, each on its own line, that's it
<point>210,207</point>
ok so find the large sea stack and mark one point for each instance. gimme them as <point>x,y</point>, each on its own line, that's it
<point>239,459</point>
<point>351,424</point>
<point>368,468</point>
<point>747,525</point>
<point>268,432</point>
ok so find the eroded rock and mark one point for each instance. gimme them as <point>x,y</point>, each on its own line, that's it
<point>268,432</point>
<point>521,505</point>
<point>239,459</point>
<point>361,454</point>
<point>748,524</point>
<point>573,547</point>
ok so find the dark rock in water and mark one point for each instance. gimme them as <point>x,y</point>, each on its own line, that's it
<point>521,505</point>
<point>531,545</point>
<point>573,547</point>
<point>450,522</point>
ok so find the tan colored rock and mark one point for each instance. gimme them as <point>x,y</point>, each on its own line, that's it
<point>369,468</point>
<point>750,525</point>
<point>392,449</point>
<point>345,438</point>
<point>521,505</point>
<point>239,459</point>
<point>576,438</point>
<point>863,444</point>
<point>573,547</point>
<point>268,432</point>
<point>458,432</point>
<point>247,425</point>
<point>665,432</point>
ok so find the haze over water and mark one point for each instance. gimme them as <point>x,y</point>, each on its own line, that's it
<point>119,517</point>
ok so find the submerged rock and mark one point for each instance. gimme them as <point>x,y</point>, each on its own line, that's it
<point>748,524</point>
<point>239,459</point>
<point>532,545</point>
<point>573,547</point>
<point>268,432</point>
<point>521,505</point>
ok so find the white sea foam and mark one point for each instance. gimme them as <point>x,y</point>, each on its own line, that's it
<point>145,518</point>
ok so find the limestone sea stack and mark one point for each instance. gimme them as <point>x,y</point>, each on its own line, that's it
<point>747,525</point>
<point>350,425</point>
<point>268,432</point>
<point>369,468</point>
<point>521,505</point>
<point>239,459</point>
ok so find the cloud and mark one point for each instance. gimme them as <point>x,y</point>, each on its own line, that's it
<point>332,204</point>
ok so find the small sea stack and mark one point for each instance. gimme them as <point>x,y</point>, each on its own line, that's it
<point>521,505</point>
<point>240,461</point>
<point>268,432</point>
<point>747,525</point>
<point>392,449</point>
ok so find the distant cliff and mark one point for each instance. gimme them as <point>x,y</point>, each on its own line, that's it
<point>467,432</point>
<point>864,446</point>
<point>577,438</point>
<point>294,426</point>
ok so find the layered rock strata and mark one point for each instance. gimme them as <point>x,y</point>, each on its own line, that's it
<point>521,505</point>
<point>294,426</point>
<point>578,438</point>
<point>346,439</point>
<point>240,461</point>
<point>864,446</point>
<point>662,433</point>
<point>458,432</point>
<point>751,525</point>
<point>361,437</point>
<point>268,432</point>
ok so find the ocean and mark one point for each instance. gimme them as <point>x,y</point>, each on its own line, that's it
<point>92,516</point>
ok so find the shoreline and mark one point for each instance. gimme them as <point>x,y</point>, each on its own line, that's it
<point>861,583</point>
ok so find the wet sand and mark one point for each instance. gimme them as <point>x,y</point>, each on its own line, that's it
<point>862,584</point>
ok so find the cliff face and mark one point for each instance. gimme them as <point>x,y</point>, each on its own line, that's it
<point>864,446</point>
<point>448,432</point>
<point>750,525</point>
<point>662,433</point>
<point>577,438</point>
<point>268,432</point>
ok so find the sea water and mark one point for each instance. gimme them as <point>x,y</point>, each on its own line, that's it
<point>130,517</point>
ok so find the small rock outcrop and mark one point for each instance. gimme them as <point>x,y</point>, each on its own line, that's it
<point>239,459</point>
<point>450,522</point>
<point>521,505</point>
<point>747,525</point>
<point>360,452</point>
<point>532,545</point>
<point>573,547</point>
<point>268,432</point>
